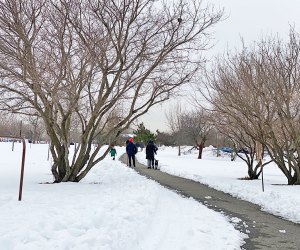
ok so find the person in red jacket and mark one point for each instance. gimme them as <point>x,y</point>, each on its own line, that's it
<point>131,150</point>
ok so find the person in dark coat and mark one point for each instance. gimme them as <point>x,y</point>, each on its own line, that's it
<point>150,152</point>
<point>131,150</point>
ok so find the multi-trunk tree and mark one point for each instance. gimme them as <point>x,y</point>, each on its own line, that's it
<point>258,89</point>
<point>196,127</point>
<point>78,62</point>
<point>176,124</point>
<point>189,127</point>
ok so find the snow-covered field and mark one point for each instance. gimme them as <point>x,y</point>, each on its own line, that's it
<point>222,174</point>
<point>113,208</point>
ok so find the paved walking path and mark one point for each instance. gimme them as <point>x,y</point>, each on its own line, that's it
<point>265,231</point>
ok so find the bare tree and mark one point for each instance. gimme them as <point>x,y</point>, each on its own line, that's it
<point>189,128</point>
<point>77,60</point>
<point>196,126</point>
<point>5,124</point>
<point>176,125</point>
<point>35,128</point>
<point>244,145</point>
<point>258,90</point>
<point>165,138</point>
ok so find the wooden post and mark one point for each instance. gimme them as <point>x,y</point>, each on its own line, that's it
<point>22,163</point>
<point>13,145</point>
<point>22,169</point>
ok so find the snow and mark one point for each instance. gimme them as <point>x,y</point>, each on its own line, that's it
<point>113,208</point>
<point>223,174</point>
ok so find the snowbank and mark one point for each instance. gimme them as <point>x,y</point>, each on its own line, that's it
<point>222,174</point>
<point>113,208</point>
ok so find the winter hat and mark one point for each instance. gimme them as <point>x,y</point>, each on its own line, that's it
<point>131,140</point>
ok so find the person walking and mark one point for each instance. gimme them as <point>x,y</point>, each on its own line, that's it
<point>151,150</point>
<point>113,152</point>
<point>131,150</point>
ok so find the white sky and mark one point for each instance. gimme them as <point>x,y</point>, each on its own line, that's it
<point>250,19</point>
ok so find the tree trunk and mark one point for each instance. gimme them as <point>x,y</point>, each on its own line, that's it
<point>295,180</point>
<point>252,173</point>
<point>200,146</point>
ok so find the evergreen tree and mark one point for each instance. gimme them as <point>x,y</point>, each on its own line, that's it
<point>143,135</point>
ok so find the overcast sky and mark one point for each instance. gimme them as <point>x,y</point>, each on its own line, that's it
<point>250,19</point>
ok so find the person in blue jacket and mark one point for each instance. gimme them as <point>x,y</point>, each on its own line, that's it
<point>131,150</point>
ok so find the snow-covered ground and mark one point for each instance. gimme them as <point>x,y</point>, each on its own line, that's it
<point>223,174</point>
<point>113,208</point>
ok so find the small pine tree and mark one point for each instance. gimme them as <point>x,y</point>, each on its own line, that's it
<point>143,135</point>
